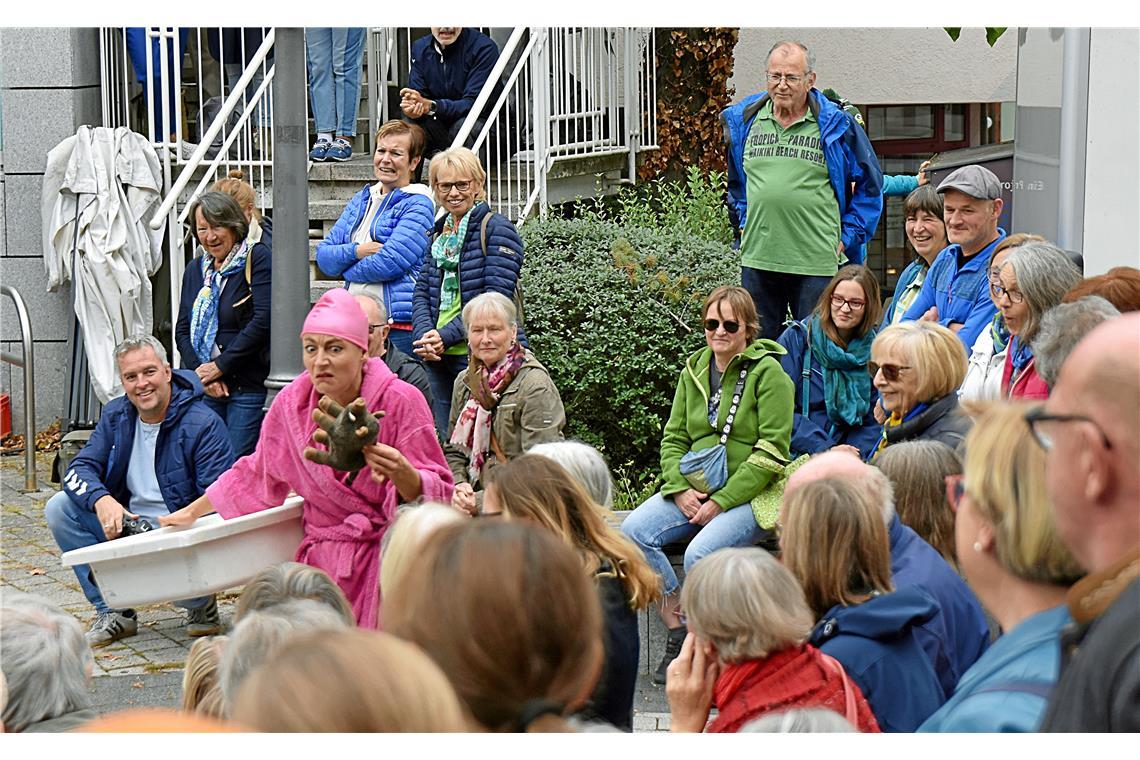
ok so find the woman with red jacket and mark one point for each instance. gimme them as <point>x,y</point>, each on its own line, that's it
<point>747,651</point>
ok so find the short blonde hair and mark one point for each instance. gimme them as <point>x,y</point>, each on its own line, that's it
<point>1005,478</point>
<point>401,544</point>
<point>201,687</point>
<point>461,161</point>
<point>496,303</point>
<point>935,353</point>
<point>836,544</point>
<point>746,603</point>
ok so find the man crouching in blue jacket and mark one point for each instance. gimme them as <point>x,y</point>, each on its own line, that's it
<point>804,188</point>
<point>153,451</point>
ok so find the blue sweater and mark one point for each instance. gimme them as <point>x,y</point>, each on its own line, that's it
<point>403,224</point>
<point>961,295</point>
<point>191,451</point>
<point>498,271</point>
<point>875,643</point>
<point>243,321</point>
<point>816,432</point>
<point>850,159</point>
<point>1006,690</point>
<point>453,77</point>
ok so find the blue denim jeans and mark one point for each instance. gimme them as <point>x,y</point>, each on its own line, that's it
<point>402,339</point>
<point>242,412</point>
<point>441,378</point>
<point>75,528</point>
<point>775,293</point>
<point>657,521</point>
<point>334,56</point>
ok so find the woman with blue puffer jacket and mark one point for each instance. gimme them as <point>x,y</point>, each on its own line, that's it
<point>381,239</point>
<point>475,251</point>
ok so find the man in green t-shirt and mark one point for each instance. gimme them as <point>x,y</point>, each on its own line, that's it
<point>805,185</point>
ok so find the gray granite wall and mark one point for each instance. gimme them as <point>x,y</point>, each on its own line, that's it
<point>49,86</point>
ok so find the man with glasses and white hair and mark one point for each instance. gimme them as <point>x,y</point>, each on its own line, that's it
<point>405,367</point>
<point>804,187</point>
<point>154,451</point>
<point>1090,429</point>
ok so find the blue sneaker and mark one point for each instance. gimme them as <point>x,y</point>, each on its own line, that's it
<point>341,150</point>
<point>320,150</point>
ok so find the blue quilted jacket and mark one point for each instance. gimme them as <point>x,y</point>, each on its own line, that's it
<point>403,224</point>
<point>192,449</point>
<point>497,271</point>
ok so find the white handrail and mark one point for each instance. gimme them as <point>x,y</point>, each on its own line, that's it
<point>236,95</point>
<point>488,87</point>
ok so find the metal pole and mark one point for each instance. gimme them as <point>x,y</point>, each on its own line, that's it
<point>1074,136</point>
<point>290,290</point>
<point>29,365</point>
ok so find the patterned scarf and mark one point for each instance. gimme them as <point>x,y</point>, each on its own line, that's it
<point>204,313</point>
<point>999,333</point>
<point>894,421</point>
<point>1020,354</point>
<point>445,251</point>
<point>473,426</point>
<point>846,382</point>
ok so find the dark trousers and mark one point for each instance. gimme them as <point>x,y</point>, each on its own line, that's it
<point>777,293</point>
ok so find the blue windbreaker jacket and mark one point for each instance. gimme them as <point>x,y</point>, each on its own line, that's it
<point>192,450</point>
<point>849,155</point>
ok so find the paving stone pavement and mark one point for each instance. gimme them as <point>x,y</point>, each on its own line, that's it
<point>146,669</point>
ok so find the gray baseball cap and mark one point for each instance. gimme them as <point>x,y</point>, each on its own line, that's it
<point>973,180</point>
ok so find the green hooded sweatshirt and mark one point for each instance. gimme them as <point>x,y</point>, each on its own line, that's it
<point>761,432</point>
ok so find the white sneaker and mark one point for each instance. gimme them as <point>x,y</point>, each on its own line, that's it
<point>111,626</point>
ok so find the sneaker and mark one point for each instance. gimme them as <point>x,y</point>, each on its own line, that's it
<point>112,626</point>
<point>186,149</point>
<point>204,620</point>
<point>341,150</point>
<point>320,150</point>
<point>672,649</point>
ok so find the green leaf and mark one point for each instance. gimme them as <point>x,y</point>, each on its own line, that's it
<point>993,33</point>
<point>953,31</point>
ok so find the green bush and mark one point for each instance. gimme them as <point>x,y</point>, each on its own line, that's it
<point>612,310</point>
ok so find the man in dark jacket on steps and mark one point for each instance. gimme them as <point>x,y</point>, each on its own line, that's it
<point>154,451</point>
<point>449,68</point>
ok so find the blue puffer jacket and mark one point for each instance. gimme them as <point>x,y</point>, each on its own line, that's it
<point>498,271</point>
<point>849,155</point>
<point>875,643</point>
<point>403,224</point>
<point>192,450</point>
<point>816,432</point>
<point>454,76</point>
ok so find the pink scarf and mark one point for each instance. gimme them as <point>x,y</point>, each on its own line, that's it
<point>472,433</point>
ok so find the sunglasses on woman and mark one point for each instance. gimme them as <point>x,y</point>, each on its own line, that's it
<point>729,326</point>
<point>890,371</point>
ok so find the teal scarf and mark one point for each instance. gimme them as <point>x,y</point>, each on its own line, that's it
<point>846,382</point>
<point>445,251</point>
<point>999,333</point>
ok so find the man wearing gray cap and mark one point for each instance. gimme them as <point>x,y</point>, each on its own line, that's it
<point>956,293</point>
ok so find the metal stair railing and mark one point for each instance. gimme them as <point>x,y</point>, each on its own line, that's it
<point>28,363</point>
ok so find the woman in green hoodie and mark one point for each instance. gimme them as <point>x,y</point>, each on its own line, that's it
<point>733,393</point>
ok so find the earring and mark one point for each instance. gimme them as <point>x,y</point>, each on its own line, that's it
<point>977,546</point>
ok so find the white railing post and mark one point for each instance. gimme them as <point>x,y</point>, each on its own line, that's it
<point>540,81</point>
<point>632,117</point>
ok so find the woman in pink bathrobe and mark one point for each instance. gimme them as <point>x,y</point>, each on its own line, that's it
<point>343,523</point>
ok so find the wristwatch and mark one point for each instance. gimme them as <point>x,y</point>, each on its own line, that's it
<point>431,108</point>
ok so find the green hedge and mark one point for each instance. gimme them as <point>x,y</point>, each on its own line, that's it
<point>612,310</point>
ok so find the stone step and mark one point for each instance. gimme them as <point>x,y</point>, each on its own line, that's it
<point>318,288</point>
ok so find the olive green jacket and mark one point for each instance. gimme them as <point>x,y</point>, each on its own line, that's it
<point>529,412</point>
<point>757,447</point>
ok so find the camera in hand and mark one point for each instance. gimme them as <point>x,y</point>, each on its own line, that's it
<point>132,526</point>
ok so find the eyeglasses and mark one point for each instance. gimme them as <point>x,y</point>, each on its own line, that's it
<point>1036,417</point>
<point>792,79</point>
<point>854,304</point>
<point>373,328</point>
<point>997,291</point>
<point>443,188</point>
<point>890,371</point>
<point>955,489</point>
<point>730,327</point>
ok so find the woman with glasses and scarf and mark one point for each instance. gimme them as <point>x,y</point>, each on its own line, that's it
<point>502,404</point>
<point>1032,280</point>
<point>725,441</point>
<point>826,358</point>
<point>474,251</point>
<point>917,368</point>
<point>222,330</point>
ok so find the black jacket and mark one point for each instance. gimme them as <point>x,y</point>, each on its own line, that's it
<point>408,369</point>
<point>941,420</point>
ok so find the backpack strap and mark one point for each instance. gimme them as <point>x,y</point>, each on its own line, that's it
<point>483,232</point>
<point>805,394</point>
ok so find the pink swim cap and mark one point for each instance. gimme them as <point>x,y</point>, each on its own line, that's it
<point>338,314</point>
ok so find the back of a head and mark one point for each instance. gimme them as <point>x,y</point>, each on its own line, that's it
<point>810,721</point>
<point>288,581</point>
<point>1062,327</point>
<point>1120,286</point>
<point>835,542</point>
<point>917,471</point>
<point>258,636</point>
<point>585,463</point>
<point>350,681</point>
<point>235,185</point>
<point>46,661</point>
<point>746,603</point>
<point>508,613</point>
<point>400,546</point>
<point>201,687</point>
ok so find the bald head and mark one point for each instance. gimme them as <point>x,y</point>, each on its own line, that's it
<point>847,467</point>
<point>377,324</point>
<point>1103,371</point>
